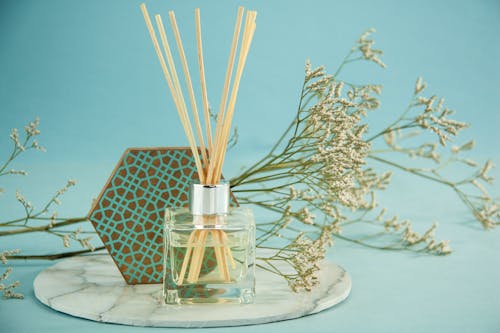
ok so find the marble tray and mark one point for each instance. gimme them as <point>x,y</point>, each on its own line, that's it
<point>91,287</point>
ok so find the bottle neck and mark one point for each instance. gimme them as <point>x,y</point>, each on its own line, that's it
<point>209,199</point>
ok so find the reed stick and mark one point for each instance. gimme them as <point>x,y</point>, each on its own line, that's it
<point>189,84</point>
<point>218,254</point>
<point>224,250</point>
<point>229,253</point>
<point>225,91</point>
<point>195,249</point>
<point>187,257</point>
<point>198,254</point>
<point>204,94</point>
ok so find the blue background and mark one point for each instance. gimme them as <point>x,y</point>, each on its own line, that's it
<point>88,69</point>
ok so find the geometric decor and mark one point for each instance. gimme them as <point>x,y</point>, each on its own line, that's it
<point>128,214</point>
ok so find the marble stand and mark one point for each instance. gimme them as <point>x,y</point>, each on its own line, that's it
<point>91,287</point>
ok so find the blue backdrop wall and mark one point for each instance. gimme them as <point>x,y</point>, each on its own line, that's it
<point>88,70</point>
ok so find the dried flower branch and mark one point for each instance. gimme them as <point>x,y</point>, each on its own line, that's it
<point>37,220</point>
<point>317,178</point>
<point>363,51</point>
<point>21,145</point>
<point>429,115</point>
<point>8,289</point>
<point>303,256</point>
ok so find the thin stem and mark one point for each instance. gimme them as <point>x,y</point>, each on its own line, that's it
<point>44,227</point>
<point>344,62</point>
<point>248,172</point>
<point>401,167</point>
<point>390,129</point>
<point>53,256</point>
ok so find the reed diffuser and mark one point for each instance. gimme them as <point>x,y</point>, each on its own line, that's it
<point>209,246</point>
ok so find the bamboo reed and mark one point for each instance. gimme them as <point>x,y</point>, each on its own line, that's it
<point>204,94</point>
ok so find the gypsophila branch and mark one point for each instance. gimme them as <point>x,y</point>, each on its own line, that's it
<point>318,173</point>
<point>45,219</point>
<point>430,116</point>
<point>8,288</point>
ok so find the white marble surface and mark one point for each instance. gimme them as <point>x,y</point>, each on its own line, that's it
<point>91,287</point>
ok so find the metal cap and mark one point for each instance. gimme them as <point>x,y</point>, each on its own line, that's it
<point>209,199</point>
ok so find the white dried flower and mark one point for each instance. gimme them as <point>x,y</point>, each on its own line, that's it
<point>66,240</point>
<point>85,242</point>
<point>306,217</point>
<point>389,138</point>
<point>23,200</point>
<point>8,289</point>
<point>444,247</point>
<point>14,135</point>
<point>32,128</point>
<point>5,275</point>
<point>53,219</point>
<point>37,146</point>
<point>337,92</point>
<point>420,85</point>
<point>365,46</point>
<point>381,214</point>
<point>317,72</point>
<point>76,233</point>
<point>468,145</point>
<point>17,172</point>
<point>470,162</point>
<point>5,254</point>
<point>483,174</point>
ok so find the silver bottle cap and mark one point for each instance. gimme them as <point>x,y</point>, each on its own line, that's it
<point>209,199</point>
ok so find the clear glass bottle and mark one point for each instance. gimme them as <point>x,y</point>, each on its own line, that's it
<point>209,250</point>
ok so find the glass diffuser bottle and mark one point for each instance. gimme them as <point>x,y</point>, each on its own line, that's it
<point>209,249</point>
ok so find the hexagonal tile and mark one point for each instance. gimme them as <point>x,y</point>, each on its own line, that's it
<point>128,214</point>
